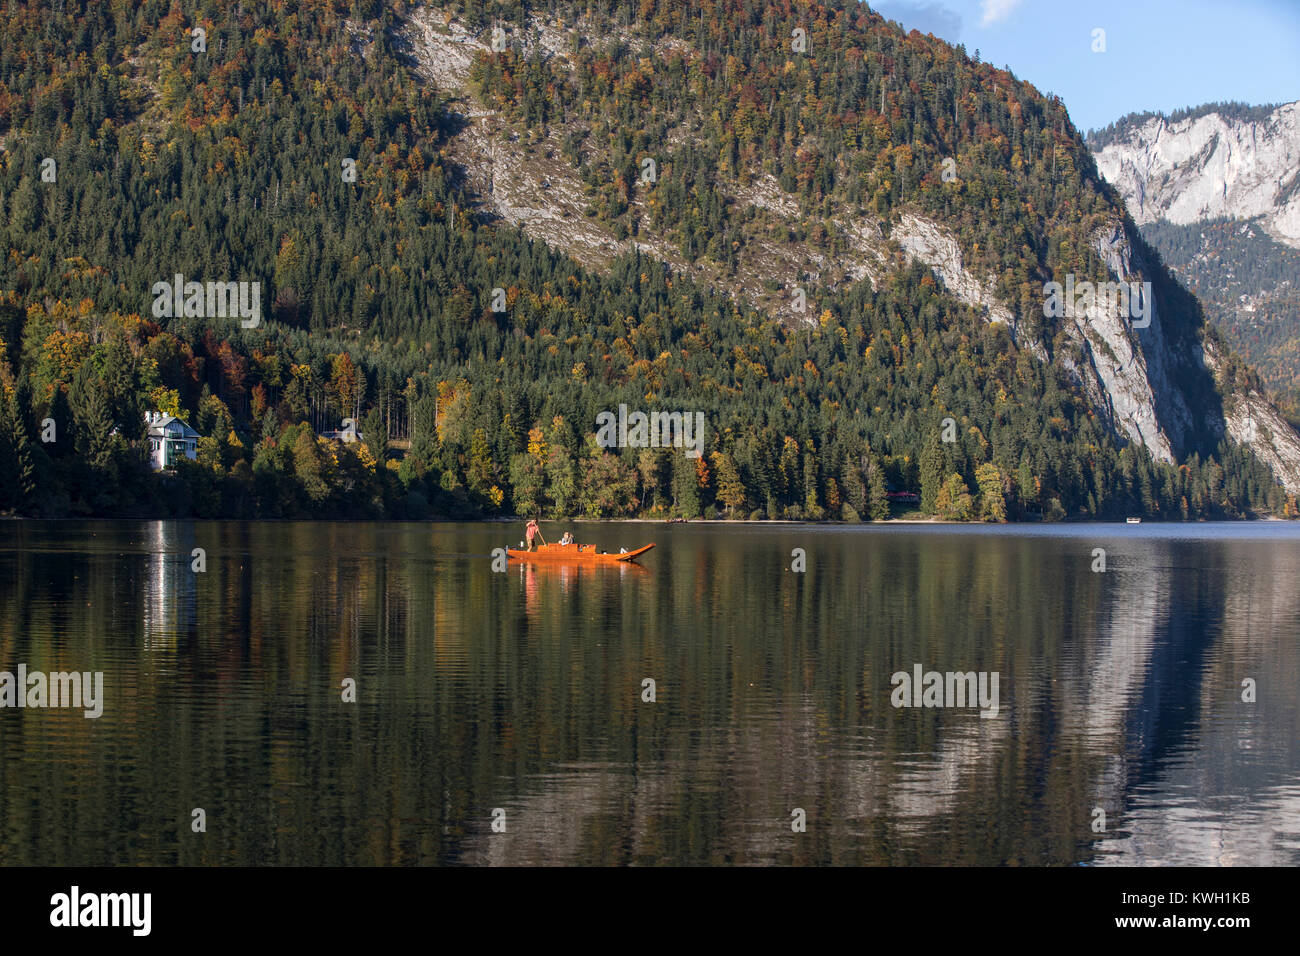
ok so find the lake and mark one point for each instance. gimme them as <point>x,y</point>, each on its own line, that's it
<point>1158,699</point>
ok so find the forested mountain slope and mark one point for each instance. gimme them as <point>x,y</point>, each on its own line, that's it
<point>644,191</point>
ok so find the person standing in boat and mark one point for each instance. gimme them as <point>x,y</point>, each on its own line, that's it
<point>531,531</point>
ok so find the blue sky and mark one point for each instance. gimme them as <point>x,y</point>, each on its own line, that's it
<point>1161,55</point>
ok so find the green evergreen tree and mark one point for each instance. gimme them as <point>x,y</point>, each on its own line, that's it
<point>811,500</point>
<point>17,469</point>
<point>686,489</point>
<point>879,493</point>
<point>93,424</point>
<point>853,488</point>
<point>1026,484</point>
<point>932,468</point>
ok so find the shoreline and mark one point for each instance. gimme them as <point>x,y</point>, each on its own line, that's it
<point>663,521</point>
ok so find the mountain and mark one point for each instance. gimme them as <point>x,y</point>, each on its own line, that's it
<point>475,228</point>
<point>1216,190</point>
<point>1219,161</point>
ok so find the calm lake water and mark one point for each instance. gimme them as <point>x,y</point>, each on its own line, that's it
<point>523,692</point>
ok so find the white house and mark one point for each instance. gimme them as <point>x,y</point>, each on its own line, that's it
<point>169,440</point>
<point>345,435</point>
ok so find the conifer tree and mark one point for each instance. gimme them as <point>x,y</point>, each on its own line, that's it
<point>686,487</point>
<point>878,495</point>
<point>17,470</point>
<point>855,492</point>
<point>932,468</point>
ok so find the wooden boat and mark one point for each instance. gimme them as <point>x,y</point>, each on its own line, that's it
<point>576,553</point>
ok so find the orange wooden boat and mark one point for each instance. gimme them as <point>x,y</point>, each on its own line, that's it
<point>576,553</point>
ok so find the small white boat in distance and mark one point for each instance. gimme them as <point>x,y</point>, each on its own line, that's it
<point>1134,520</point>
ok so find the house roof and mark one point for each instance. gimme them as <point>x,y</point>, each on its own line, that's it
<point>168,426</point>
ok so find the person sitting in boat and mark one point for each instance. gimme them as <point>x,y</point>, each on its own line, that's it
<point>530,531</point>
<point>567,538</point>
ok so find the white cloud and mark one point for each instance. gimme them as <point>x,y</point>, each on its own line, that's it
<point>996,10</point>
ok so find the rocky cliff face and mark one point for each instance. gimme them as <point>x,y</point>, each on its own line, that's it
<point>535,188</point>
<point>1218,194</point>
<point>1142,381</point>
<point>1129,366</point>
<point>1151,384</point>
<point>1216,166</point>
<point>1210,166</point>
<point>1250,419</point>
<point>1144,372</point>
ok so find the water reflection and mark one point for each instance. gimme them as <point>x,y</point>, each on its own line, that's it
<point>169,590</point>
<point>523,691</point>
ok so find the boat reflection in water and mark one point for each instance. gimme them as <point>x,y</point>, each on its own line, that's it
<point>545,575</point>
